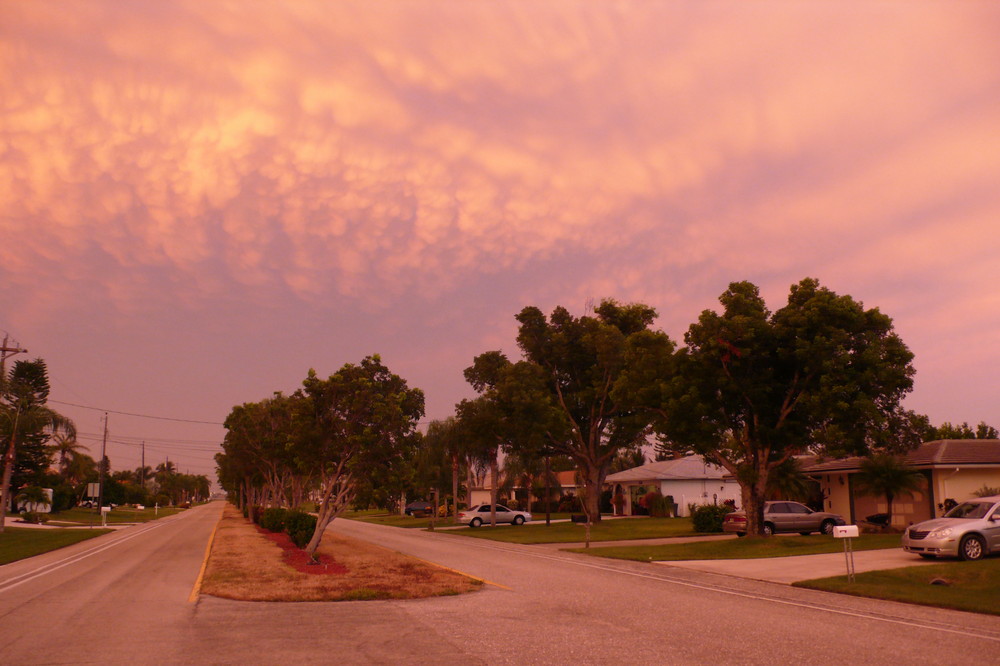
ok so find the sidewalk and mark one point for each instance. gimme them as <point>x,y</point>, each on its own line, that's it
<point>803,567</point>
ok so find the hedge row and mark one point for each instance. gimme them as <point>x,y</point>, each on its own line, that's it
<point>297,524</point>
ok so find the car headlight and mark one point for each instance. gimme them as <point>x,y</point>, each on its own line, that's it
<point>940,533</point>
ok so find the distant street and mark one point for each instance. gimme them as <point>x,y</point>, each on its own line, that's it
<point>127,600</point>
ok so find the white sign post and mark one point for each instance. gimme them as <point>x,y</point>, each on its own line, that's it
<point>105,510</point>
<point>847,532</point>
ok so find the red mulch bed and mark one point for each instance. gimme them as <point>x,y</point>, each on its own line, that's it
<point>297,558</point>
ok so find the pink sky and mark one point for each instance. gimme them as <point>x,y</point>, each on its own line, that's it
<point>200,201</point>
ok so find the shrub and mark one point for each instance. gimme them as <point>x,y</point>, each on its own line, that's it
<point>34,518</point>
<point>273,520</point>
<point>659,506</point>
<point>986,491</point>
<point>538,506</point>
<point>708,517</point>
<point>569,503</point>
<point>300,527</point>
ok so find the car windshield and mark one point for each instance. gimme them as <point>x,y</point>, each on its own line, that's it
<point>970,510</point>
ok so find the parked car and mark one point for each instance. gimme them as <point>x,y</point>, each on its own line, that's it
<point>970,531</point>
<point>421,508</point>
<point>480,515</point>
<point>784,516</point>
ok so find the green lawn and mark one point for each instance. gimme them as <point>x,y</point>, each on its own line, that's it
<point>737,549</point>
<point>607,530</point>
<point>17,543</point>
<point>973,586</point>
<point>379,517</point>
<point>81,516</point>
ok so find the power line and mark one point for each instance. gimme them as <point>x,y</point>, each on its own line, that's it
<point>141,416</point>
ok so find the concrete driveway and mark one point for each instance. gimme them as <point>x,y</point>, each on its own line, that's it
<point>804,567</point>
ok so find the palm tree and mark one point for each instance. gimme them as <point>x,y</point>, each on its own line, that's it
<point>787,481</point>
<point>884,474</point>
<point>33,495</point>
<point>66,448</point>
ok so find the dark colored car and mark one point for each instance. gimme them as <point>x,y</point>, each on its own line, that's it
<point>783,516</point>
<point>418,508</point>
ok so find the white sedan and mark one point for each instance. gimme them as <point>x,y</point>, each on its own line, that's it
<point>480,515</point>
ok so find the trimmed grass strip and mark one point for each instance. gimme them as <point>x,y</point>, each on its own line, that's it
<point>737,549</point>
<point>967,586</point>
<point>623,529</point>
<point>17,543</point>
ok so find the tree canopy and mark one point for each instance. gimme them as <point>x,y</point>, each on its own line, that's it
<point>752,388</point>
<point>560,397</point>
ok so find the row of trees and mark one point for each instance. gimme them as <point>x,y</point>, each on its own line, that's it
<point>330,440</point>
<point>40,450</point>
<point>748,388</point>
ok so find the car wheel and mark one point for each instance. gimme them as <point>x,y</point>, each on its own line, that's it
<point>475,522</point>
<point>741,534</point>
<point>805,533</point>
<point>768,529</point>
<point>827,527</point>
<point>972,548</point>
<point>518,520</point>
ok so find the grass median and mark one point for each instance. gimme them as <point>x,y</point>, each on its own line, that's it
<point>17,543</point>
<point>245,564</point>
<point>967,586</point>
<point>737,549</point>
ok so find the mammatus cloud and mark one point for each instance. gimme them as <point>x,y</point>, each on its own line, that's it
<point>397,156</point>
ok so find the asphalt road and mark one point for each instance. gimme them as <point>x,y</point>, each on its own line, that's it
<point>127,600</point>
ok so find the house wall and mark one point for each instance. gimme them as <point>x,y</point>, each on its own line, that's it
<point>961,484</point>
<point>699,492</point>
<point>837,494</point>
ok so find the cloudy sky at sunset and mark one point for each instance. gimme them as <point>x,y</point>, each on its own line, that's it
<point>201,201</point>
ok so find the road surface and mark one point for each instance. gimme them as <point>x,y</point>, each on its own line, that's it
<point>127,600</point>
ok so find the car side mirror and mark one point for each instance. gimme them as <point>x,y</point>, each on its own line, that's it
<point>995,518</point>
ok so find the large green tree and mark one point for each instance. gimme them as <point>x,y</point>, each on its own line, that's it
<point>362,418</point>
<point>564,387</point>
<point>752,388</point>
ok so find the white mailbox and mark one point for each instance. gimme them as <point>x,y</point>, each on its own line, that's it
<point>105,509</point>
<point>845,531</point>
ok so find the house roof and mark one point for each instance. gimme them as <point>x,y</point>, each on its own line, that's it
<point>939,453</point>
<point>688,467</point>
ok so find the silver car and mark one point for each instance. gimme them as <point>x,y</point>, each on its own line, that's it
<point>785,516</point>
<point>970,531</point>
<point>480,515</point>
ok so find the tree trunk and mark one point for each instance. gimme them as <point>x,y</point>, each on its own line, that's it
<point>454,488</point>
<point>8,468</point>
<point>753,504</point>
<point>494,479</point>
<point>593,480</point>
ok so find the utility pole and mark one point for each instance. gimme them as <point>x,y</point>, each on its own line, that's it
<point>142,468</point>
<point>100,467</point>
<point>8,457</point>
<point>8,349</point>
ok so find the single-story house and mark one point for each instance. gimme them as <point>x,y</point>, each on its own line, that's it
<point>688,480</point>
<point>953,468</point>
<point>567,483</point>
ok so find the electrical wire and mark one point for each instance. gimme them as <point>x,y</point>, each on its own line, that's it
<point>142,416</point>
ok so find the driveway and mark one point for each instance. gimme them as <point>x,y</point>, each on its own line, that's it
<point>803,567</point>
